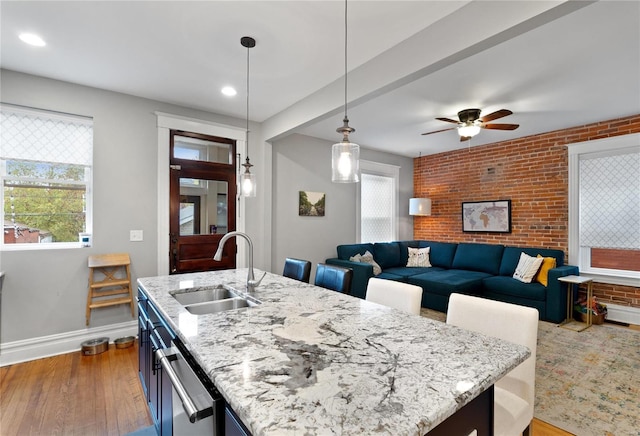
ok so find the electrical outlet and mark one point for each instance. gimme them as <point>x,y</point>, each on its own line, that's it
<point>135,235</point>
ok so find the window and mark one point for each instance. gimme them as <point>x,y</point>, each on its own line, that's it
<point>196,149</point>
<point>378,202</point>
<point>604,208</point>
<point>45,167</point>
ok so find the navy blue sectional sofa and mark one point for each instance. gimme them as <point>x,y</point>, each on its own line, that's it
<point>484,270</point>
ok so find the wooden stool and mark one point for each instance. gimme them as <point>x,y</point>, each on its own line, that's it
<point>112,285</point>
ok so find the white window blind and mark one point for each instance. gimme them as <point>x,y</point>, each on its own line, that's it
<point>29,134</point>
<point>377,208</point>
<point>610,201</point>
<point>46,169</point>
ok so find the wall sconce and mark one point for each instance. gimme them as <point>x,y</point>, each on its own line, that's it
<point>420,206</point>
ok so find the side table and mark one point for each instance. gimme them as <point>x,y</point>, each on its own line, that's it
<point>572,282</point>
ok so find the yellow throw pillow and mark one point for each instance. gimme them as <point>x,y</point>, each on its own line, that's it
<point>547,264</point>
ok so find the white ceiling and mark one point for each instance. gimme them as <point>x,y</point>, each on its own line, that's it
<point>554,64</point>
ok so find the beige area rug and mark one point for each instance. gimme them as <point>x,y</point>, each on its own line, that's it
<point>587,383</point>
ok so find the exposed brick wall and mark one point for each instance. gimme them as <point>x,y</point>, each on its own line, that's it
<point>615,258</point>
<point>532,172</point>
<point>618,294</point>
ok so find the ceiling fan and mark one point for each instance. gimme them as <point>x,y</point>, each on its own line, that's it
<point>470,123</point>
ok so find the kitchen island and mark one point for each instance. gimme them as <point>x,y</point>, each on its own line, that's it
<point>313,361</point>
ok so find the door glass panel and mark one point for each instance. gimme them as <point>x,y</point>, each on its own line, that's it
<point>203,207</point>
<point>188,148</point>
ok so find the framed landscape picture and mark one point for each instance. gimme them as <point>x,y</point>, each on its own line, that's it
<point>487,216</point>
<point>311,203</point>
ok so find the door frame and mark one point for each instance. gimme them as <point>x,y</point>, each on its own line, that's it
<point>165,123</point>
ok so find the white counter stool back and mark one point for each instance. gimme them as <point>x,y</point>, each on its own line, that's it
<point>514,393</point>
<point>398,295</point>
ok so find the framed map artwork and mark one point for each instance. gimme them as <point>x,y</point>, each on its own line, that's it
<point>487,216</point>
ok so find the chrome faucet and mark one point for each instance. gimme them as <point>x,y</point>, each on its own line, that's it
<point>252,283</point>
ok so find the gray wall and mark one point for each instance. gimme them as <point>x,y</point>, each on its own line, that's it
<point>45,291</point>
<point>302,163</point>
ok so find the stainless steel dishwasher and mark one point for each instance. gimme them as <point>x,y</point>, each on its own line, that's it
<point>198,408</point>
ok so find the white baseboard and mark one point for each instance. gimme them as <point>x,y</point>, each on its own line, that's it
<point>45,346</point>
<point>625,314</point>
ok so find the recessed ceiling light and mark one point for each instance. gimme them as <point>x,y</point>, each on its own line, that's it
<point>229,91</point>
<point>32,39</point>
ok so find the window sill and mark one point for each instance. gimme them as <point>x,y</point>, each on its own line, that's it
<point>597,277</point>
<point>50,246</point>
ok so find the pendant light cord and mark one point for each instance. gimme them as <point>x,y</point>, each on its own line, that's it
<point>247,134</point>
<point>345,58</point>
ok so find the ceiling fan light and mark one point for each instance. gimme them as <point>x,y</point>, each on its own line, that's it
<point>468,130</point>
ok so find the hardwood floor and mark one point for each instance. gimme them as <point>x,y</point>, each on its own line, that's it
<point>72,394</point>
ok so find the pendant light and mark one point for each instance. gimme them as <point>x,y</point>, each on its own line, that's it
<point>345,155</point>
<point>247,180</point>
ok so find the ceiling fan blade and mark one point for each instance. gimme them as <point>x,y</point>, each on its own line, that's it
<point>438,131</point>
<point>464,138</point>
<point>448,120</point>
<point>500,126</point>
<point>495,115</point>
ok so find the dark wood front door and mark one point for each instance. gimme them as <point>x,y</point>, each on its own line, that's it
<point>202,205</point>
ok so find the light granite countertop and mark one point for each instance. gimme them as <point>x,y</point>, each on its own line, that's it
<point>313,361</point>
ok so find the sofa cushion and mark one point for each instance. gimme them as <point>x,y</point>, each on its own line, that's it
<point>390,276</point>
<point>387,254</point>
<point>348,250</point>
<point>511,256</point>
<point>408,271</point>
<point>441,253</point>
<point>446,282</point>
<point>478,257</point>
<point>509,286</point>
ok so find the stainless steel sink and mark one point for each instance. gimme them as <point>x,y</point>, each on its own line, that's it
<point>212,300</point>
<point>203,295</point>
<point>219,306</point>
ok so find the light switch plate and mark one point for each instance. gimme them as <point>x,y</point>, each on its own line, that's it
<point>135,235</point>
